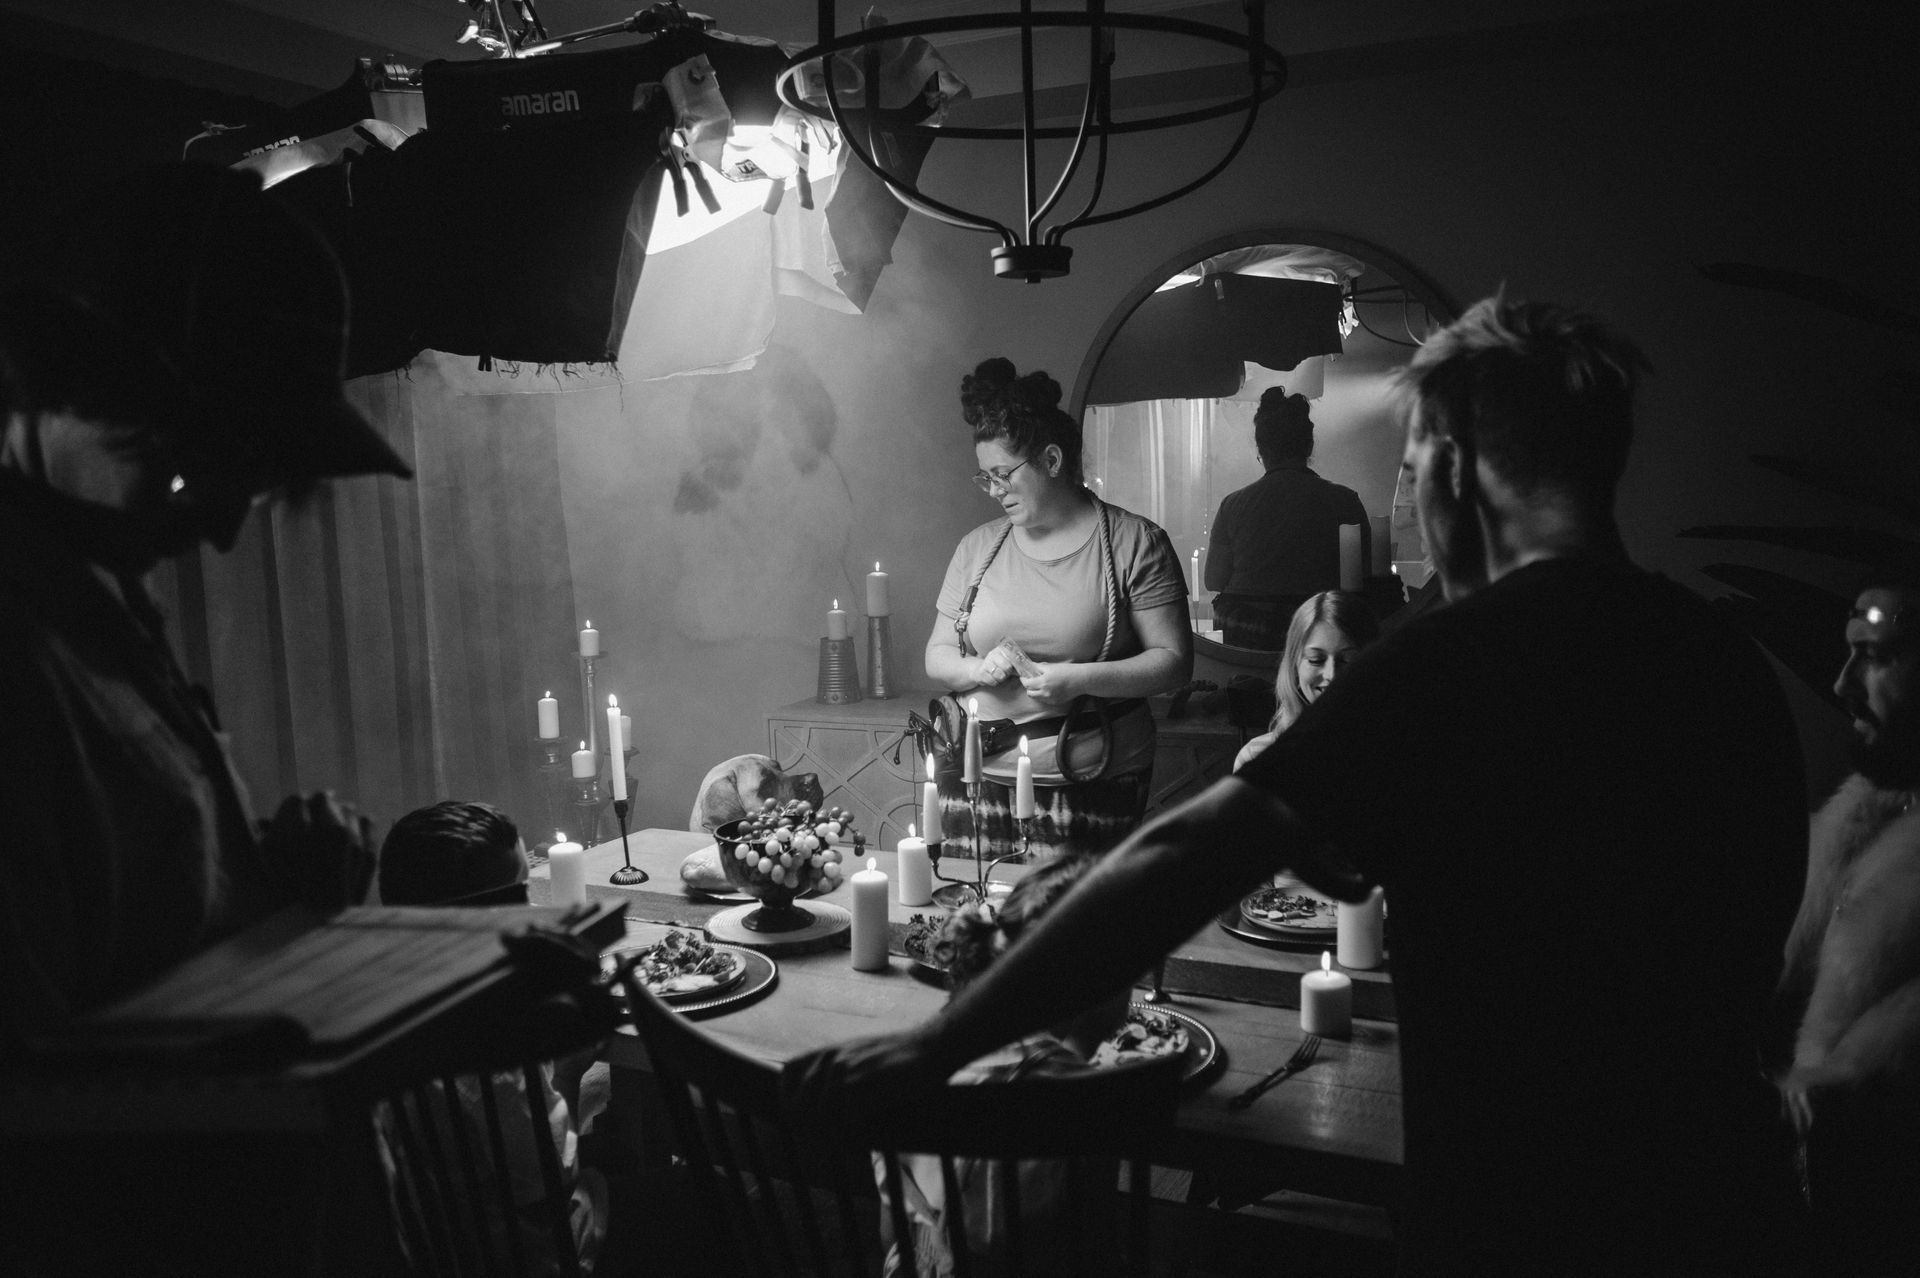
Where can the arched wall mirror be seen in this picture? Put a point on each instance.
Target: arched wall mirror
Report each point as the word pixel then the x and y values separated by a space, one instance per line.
pixel 1171 386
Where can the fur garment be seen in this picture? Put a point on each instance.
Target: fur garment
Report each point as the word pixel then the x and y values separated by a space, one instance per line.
pixel 1854 953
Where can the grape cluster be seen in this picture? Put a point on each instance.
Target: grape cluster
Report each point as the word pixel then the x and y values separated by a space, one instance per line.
pixel 793 846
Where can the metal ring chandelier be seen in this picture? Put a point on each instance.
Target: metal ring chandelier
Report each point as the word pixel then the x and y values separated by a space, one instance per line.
pixel 1026 251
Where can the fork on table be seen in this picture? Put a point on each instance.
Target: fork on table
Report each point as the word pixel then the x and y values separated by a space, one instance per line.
pixel 1302 1057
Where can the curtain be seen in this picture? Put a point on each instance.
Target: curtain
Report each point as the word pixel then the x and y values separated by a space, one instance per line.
pixel 387 639
pixel 1162 458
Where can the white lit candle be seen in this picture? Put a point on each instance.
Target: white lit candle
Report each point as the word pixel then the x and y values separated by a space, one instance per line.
pixel 930 807
pixel 916 870
pixel 1359 928
pixel 616 746
pixel 1350 565
pixel 836 621
pixel 870 918
pixel 589 641
pixel 878 604
pixel 549 716
pixel 1023 783
pixel 970 761
pixel 1195 579
pixel 1326 1001
pixel 584 764
pixel 567 871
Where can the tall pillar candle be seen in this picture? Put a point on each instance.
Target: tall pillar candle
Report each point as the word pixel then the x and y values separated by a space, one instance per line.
pixel 837 627
pixel 1351 569
pixel 869 918
pixel 616 747
pixel 584 764
pixel 1359 928
pixel 916 870
pixel 879 604
pixel 567 872
pixel 1023 783
pixel 547 711
pixel 970 760
pixel 930 807
pixel 1326 1001
pixel 589 642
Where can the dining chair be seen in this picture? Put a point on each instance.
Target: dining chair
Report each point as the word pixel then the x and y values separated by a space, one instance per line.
pixel 475 1180
pixel 773 1193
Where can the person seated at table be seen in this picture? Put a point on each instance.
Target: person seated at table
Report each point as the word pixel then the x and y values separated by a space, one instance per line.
pixel 1327 632
pixel 1853 959
pixel 1277 541
pixel 466 854
pixel 969 943
pixel 1093 594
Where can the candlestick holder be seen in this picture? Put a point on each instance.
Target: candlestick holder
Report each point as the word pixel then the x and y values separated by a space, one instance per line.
pixel 551 769
pixel 628 874
pixel 880 658
pixel 589 700
pixel 839 673
pixel 587 801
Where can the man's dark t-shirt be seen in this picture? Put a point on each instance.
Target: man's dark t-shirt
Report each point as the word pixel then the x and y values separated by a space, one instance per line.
pixel 1583 796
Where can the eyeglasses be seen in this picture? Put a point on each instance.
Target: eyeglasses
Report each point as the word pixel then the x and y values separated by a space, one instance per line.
pixel 988 480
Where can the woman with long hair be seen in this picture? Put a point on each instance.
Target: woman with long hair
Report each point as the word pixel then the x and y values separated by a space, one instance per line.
pixel 1327 632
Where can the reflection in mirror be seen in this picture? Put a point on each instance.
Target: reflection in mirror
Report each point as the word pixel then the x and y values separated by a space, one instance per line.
pixel 1170 428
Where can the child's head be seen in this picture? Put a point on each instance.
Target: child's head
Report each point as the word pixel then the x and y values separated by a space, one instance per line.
pixel 972 938
pixel 453 853
pixel 1327 632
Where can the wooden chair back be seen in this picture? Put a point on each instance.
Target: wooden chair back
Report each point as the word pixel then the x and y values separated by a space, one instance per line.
pixel 454 1145
pixel 778 1195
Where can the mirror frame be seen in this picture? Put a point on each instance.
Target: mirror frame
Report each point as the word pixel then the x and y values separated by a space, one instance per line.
pixel 1423 289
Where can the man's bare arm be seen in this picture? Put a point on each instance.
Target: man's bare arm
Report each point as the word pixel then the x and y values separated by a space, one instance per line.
pixel 1145 897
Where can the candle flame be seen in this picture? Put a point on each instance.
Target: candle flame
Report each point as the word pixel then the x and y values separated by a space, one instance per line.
pixel 588 626
pixel 612 700
pixel 559 836
pixel 1023 745
pixel 872 864
pixel 973 706
pixel 1326 960
pixel 910 833
pixel 836 605
pixel 876 565
pixel 583 745
pixel 929 767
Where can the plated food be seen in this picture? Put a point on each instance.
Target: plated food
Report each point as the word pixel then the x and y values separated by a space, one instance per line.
pixel 1290 909
pixel 1146 1033
pixel 683 966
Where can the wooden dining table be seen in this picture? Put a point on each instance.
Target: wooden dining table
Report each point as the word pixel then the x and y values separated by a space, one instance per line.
pixel 1333 1130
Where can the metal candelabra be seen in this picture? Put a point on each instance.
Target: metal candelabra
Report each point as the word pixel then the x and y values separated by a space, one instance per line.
pixel 552 770
pixel 587 801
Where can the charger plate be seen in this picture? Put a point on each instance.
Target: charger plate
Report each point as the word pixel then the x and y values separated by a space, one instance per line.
pixel 1203 1052
pixel 758 974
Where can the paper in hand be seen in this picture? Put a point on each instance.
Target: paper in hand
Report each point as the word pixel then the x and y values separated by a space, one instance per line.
pixel 1022 663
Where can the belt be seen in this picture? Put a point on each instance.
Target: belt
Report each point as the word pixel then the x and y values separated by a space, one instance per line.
pixel 997 735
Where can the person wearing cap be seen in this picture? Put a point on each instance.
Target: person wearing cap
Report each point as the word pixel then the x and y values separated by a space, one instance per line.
pixel 471 855
pixel 170 354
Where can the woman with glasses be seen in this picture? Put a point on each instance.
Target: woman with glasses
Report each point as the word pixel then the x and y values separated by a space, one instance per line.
pixel 1060 617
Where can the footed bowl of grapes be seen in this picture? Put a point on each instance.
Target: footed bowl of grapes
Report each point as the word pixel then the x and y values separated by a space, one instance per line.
pixel 782 852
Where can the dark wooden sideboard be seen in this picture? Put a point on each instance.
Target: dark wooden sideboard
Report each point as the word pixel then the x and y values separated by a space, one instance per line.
pixel 866 764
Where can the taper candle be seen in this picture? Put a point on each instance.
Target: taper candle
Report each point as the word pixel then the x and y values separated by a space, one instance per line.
pixel 548 712
pixel 930 807
pixel 1023 783
pixel 616 746
pixel 970 761
pixel 1194 584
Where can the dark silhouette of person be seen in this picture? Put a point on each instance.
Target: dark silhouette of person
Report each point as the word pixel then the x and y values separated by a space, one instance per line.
pixel 1276 542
